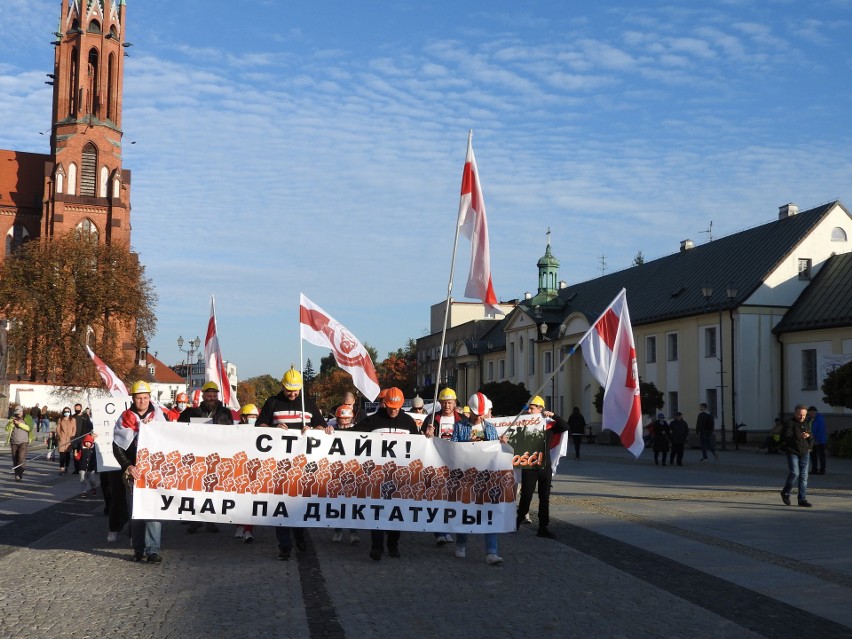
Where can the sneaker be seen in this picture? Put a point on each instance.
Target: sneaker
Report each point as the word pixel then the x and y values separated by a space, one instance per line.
pixel 375 555
pixel 493 560
pixel 544 532
pixel 338 536
pixel 247 537
pixel 112 537
pixel 527 519
pixel 154 558
pixel 353 539
pixel 138 556
pixel 238 533
pixel 704 459
pixel 283 554
pixel 805 503
pixel 83 494
pixel 449 538
pixel 441 540
pixel 461 552
pixel 393 551
pixel 785 498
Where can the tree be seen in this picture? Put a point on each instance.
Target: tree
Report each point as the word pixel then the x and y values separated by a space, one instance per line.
pixel 309 374
pixel 400 369
pixel 652 399
pixel 54 292
pixel 328 389
pixel 256 390
pixel 508 398
pixel 639 259
pixel 328 363
pixel 838 387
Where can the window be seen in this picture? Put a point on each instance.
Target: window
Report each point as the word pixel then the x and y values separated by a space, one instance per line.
pixel 501 367
pixel 805 268
pixel 548 363
pixel 15 238
pixel 711 402
pixel 72 179
pixel 673 403
pixel 490 371
pixel 710 341
pixel 86 230
pixel 671 340
pixel 104 181
pixel 651 349
pixel 809 369
pixel 90 168
pixel 511 359
pixel 838 234
pixel 531 351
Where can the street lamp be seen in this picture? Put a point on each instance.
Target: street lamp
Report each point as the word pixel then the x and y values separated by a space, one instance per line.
pixel 544 338
pixel 191 349
pixel 731 293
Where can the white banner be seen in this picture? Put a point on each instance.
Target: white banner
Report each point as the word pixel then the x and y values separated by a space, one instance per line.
pixel 105 411
pixel 269 476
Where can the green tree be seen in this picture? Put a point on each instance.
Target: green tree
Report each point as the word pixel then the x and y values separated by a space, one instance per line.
pixel 639 259
pixel 651 397
pixel 309 374
pixel 256 390
pixel 838 387
pixel 400 369
pixel 56 293
pixel 508 398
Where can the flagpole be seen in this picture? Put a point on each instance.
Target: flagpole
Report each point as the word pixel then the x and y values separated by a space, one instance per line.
pixel 447 304
pixel 301 365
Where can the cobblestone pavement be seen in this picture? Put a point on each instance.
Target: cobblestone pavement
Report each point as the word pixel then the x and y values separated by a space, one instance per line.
pixel 706 550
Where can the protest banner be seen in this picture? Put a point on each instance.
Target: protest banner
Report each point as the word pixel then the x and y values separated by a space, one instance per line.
pixel 271 476
pixel 105 411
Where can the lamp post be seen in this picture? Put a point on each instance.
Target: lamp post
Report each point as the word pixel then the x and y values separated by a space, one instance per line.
pixel 191 349
pixel 542 328
pixel 731 294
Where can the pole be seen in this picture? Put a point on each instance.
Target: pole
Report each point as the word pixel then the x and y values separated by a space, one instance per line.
pixel 722 379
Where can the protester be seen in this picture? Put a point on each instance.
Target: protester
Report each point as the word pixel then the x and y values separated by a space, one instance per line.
pixel 679 434
pixel 19 435
pixel 144 534
pixel 796 436
pixel 480 407
pixel 704 426
pixel 66 428
pixel 181 406
pixel 344 417
pixel 542 475
pixel 417 405
pixel 82 426
pixel 211 407
pixel 285 410
pixel 442 426
pixel 349 400
pixel 248 417
pixel 576 427
pixel 819 439
pixel 465 411
pixel 661 432
pixel 88 465
pixel 389 419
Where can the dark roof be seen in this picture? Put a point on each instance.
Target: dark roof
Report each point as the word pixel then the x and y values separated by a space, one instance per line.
pixel 826 302
pixel 670 287
pixel 493 339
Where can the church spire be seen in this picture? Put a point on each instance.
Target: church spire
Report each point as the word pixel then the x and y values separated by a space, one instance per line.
pixel 548 274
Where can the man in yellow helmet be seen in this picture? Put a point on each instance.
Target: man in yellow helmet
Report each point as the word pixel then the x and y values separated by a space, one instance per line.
pixel 446 420
pixel 144 535
pixel 211 407
pixel 288 409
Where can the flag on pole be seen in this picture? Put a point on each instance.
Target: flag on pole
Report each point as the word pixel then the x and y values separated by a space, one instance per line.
pixel 115 386
pixel 473 223
pixel 610 353
pixel 214 367
pixel 320 329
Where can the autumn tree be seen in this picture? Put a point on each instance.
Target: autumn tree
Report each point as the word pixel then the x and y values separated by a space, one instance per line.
pixel 256 390
pixel 328 389
pixel 56 293
pixel 400 369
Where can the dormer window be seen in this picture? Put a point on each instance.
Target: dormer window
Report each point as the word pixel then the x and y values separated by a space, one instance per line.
pixel 805 268
pixel 838 234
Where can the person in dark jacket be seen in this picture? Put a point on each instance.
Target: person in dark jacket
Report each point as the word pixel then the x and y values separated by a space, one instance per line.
pixel 388 419
pixel 577 427
pixel 796 436
pixel 705 425
pixel 661 433
pixel 84 427
pixel 211 407
pixel 679 434
pixel 819 438
pixel 88 465
pixel 288 409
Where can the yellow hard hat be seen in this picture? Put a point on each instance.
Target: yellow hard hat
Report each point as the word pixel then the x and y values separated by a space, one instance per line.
pixel 249 409
pixel 210 386
pixel 292 380
pixel 536 401
pixel 466 409
pixel 447 393
pixel 140 387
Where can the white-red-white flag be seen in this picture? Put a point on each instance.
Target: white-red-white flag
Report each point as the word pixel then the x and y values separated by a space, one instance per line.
pixel 321 329
pixel 473 223
pixel 113 383
pixel 214 366
pixel 610 353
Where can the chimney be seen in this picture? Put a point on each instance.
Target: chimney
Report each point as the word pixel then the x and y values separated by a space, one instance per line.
pixel 527 295
pixel 686 245
pixel 563 284
pixel 788 210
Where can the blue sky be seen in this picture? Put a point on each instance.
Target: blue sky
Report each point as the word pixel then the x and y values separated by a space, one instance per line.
pixel 318 147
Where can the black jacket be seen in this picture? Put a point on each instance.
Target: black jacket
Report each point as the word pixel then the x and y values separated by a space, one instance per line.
pixel 221 414
pixel 793 436
pixel 279 410
pixel 381 421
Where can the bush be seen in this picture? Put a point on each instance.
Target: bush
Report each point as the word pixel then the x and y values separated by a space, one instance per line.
pixel 840 443
pixel 845 448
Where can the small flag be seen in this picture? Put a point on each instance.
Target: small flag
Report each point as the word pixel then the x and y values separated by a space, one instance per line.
pixel 115 386
pixel 214 367
pixel 320 329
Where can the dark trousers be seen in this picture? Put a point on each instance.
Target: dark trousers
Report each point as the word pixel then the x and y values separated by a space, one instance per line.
pixel 377 539
pixel 578 439
pixel 818 459
pixel 19 457
pixel 115 498
pixel 65 458
pixel 285 541
pixel 530 477
pixel 676 454
pixel 664 454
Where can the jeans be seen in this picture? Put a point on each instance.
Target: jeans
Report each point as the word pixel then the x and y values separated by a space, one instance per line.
pixel 708 442
pixel 490 542
pixel 798 467
pixel 285 541
pixel 144 534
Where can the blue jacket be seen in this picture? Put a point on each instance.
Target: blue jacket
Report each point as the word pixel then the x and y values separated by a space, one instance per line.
pixel 818 430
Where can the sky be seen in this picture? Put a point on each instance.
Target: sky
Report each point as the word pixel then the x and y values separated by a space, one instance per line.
pixel 286 147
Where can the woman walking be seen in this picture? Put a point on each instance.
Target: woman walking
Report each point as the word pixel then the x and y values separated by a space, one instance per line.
pixel 66 428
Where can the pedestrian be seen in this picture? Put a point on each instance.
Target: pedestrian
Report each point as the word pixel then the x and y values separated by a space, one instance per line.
pixel 540 475
pixel 796 436
pixel 819 440
pixel 45 419
pixel 577 428
pixel 19 435
pixel 88 465
pixel 83 426
pixel 442 426
pixel 480 407
pixel 66 428
pixel 35 415
pixel 389 419
pixel 144 534
pixel 344 417
pixel 705 425
pixel 678 436
pixel 661 437
pixel 248 417
pixel 289 409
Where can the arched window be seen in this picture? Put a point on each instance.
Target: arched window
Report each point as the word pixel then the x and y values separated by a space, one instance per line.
pixel 93 90
pixel 88 170
pixel 110 108
pixel 72 179
pixel 116 186
pixel 60 179
pixel 86 230
pixel 104 181
pixel 74 82
pixel 838 234
pixel 15 238
pixel 94 27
